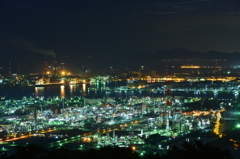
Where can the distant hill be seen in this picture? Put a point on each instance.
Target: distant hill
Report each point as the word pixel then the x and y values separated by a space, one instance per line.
pixel 29 62
pixel 179 53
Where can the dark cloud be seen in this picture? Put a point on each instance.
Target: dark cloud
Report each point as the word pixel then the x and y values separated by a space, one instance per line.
pixel 202 33
pixel 25 45
pixel 122 26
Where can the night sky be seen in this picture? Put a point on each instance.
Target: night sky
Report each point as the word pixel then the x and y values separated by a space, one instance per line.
pixel 95 27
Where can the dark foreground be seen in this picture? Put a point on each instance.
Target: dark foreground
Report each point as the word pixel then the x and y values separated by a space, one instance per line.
pixel 188 151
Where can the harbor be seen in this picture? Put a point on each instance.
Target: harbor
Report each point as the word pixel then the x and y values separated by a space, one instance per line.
pixel 97 119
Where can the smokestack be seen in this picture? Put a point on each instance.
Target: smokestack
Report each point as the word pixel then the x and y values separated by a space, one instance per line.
pixel 45 67
pixel 35 117
pixel 168 101
pixel 107 132
pixel 55 65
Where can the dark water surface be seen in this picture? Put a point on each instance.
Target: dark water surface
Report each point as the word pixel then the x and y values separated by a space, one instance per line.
pixel 98 89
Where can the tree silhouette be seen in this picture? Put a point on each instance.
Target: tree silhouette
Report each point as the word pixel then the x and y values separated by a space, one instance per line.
pixel 155 139
pixel 110 153
pixel 196 150
pixel 29 152
pixel 187 150
pixel 61 153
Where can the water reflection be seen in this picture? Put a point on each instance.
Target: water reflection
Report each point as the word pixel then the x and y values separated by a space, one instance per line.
pixel 84 90
pixel 103 90
pixel 236 96
pixel 215 96
pixel 73 88
pixel 39 91
pixel 62 91
pixel 107 89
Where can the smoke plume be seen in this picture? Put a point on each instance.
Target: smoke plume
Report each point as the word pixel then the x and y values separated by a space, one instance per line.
pixel 30 47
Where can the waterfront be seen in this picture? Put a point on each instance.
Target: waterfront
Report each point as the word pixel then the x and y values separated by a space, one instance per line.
pixel 140 113
pixel 107 89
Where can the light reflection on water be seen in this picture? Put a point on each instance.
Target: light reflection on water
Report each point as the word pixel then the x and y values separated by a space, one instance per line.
pixel 98 90
pixel 39 91
pixel 62 91
pixel 84 88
